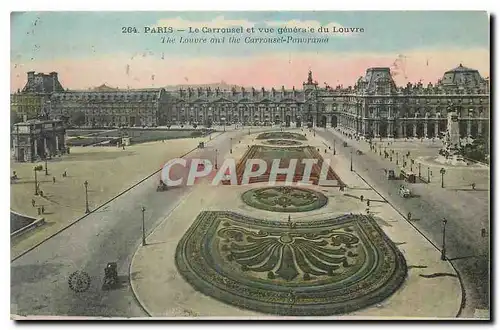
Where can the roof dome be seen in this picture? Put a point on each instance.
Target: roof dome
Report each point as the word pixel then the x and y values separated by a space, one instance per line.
pixel 462 76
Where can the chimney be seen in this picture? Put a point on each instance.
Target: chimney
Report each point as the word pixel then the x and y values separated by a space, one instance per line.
pixel 31 76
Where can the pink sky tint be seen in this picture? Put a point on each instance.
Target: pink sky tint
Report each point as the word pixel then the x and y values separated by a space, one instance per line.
pixel 268 70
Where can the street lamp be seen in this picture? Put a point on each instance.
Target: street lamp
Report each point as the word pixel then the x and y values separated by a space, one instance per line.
pixel 216 158
pixel 397 160
pixel 143 209
pixel 419 170
pixel 428 174
pixel 231 146
pixel 412 161
pixel 351 160
pixel 86 184
pixel 334 150
pixel 36 169
pixel 443 250
pixel 442 171
pixel 46 169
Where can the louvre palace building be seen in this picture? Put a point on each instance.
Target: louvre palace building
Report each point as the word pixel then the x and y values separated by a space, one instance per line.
pixel 374 106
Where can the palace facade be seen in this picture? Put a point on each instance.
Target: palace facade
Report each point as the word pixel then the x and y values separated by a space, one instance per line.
pixel 373 107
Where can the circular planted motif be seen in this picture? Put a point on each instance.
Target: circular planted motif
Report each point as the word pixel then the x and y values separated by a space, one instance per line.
pixel 79 281
pixel 284 199
pixel 282 142
pixel 325 267
pixel 281 135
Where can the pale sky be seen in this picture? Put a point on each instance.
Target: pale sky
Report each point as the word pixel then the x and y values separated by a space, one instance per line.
pixel 89 48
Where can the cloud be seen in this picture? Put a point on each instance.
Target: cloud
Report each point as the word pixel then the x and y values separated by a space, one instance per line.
pixel 266 69
pixel 218 22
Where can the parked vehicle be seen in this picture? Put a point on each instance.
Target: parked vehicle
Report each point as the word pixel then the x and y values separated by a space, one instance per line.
pixel 110 276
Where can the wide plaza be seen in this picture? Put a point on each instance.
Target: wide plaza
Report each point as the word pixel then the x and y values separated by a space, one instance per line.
pixel 260 251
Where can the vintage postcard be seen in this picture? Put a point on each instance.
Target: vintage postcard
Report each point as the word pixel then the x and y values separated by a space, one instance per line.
pixel 250 165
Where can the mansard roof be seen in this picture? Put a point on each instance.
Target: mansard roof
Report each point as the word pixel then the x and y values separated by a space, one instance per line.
pixel 110 95
pixel 462 76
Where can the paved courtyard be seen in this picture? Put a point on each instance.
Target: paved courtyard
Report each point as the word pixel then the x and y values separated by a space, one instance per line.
pixel 425 152
pixel 236 251
pixel 108 170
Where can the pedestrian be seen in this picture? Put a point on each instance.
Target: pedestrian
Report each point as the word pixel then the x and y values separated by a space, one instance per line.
pixel 65 174
pixel 41 193
pixel 53 179
pixel 361 197
pixel 409 216
pixel 33 202
pixel 368 202
pixel 473 186
pixel 43 209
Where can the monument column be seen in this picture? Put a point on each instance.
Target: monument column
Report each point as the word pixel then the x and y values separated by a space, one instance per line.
pixel 45 145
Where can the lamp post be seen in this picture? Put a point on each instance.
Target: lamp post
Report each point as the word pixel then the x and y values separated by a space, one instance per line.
pixel 351 160
pixel 428 174
pixel 443 250
pixel 46 169
pixel 231 146
pixel 412 161
pixel 36 169
pixel 86 184
pixel 334 150
pixel 216 158
pixel 442 171
pixel 143 209
pixel 419 170
pixel 397 160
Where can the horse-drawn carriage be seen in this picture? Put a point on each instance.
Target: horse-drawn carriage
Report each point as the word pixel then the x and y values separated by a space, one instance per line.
pixel 404 191
pixel 110 276
pixel 162 186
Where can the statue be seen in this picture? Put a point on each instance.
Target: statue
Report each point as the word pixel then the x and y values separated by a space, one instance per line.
pixel 451 151
pixel 310 78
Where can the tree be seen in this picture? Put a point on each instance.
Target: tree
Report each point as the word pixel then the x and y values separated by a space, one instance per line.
pixel 78 118
pixel 477 150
